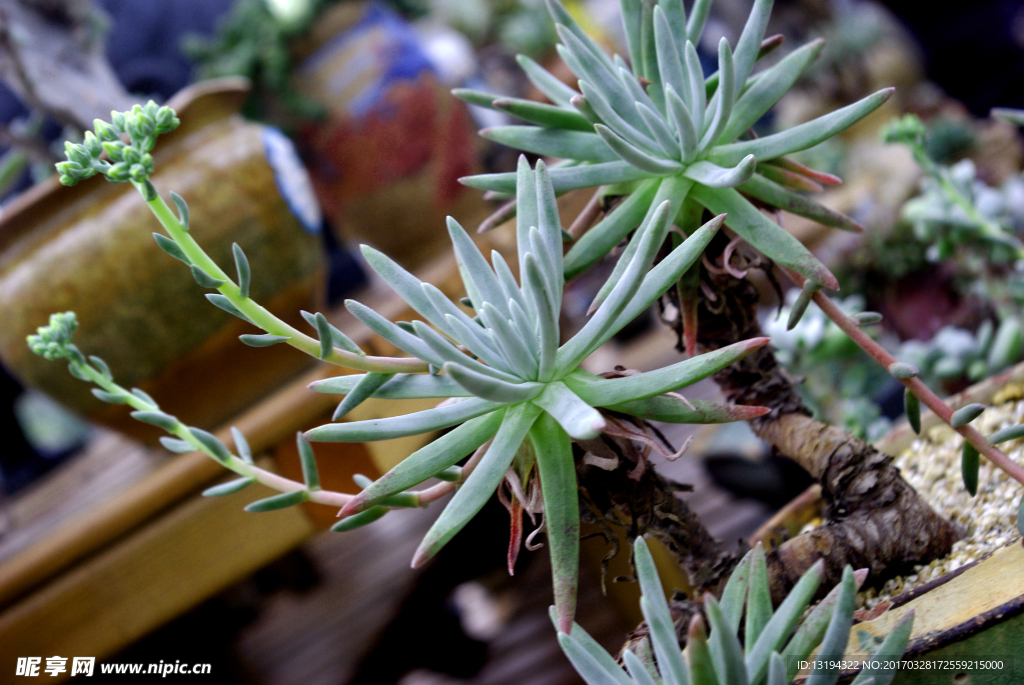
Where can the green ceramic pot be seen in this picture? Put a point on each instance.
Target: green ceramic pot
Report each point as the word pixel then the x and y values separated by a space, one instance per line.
pixel 89 249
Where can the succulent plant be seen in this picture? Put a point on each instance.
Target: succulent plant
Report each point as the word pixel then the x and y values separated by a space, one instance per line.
pixel 509 381
pixel 657 129
pixel 514 394
pixel 770 652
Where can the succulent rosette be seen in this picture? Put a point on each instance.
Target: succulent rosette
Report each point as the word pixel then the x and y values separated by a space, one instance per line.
pixel 657 129
pixel 515 394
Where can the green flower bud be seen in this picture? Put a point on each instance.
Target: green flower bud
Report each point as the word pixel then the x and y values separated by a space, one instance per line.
pixel 114 149
pixel 104 131
pixel 119 173
pixel 907 130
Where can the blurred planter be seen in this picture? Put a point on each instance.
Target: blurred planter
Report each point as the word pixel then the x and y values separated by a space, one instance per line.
pixel 973 613
pixel 89 248
pixel 387 154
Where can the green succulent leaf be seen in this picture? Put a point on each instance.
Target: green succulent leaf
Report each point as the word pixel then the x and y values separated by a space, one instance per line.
pixel 659 620
pixel 283 501
pixel 759 598
pixel 837 635
pixel 400 426
pixel 481 484
pixel 970 462
pixel 891 648
pixel 359 520
pixel 228 488
pixel 726 651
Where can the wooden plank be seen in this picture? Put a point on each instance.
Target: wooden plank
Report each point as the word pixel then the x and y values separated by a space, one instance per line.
pixel 197 550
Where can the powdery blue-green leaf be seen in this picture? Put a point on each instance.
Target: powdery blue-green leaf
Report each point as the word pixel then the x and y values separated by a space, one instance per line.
pixel 670 60
pixel 204 279
pixel 770 86
pixel 609 231
pixel 735 593
pixel 698 17
pixel 912 406
pixel 724 97
pixel 399 426
pixel 241 445
pixel 698 96
pixel 759 598
pixel 544 114
pixel 546 82
pixel 176 445
pixel 749 44
pixel 229 488
pixel 714 176
pixel 1011 433
pixel 481 283
pixel 634 155
pixel 659 620
pixel 769 238
pixel 516 343
pixel 683 120
pixel 593 648
pixel 964 415
pixel 656 125
pixel 891 648
pixel 394 334
pixel 242 269
pixel 812 629
pixel 553 451
pixel 112 398
pixel 970 462
pixel 307 460
pixel 366 387
pixel 564 178
pixel 402 386
pixel 428 461
pixel 771 193
pixel 546 318
pixel 782 622
pixel 212 443
pixel 157 418
pixel 172 248
pixel 555 142
pixel 580 420
pixel 675 410
pixel 491 388
pixel 777 670
pixel 589 668
pixel 833 647
pixel 637 670
pixel 447 352
pixel 182 207
pixel 340 339
pixel 407 286
pixel 726 651
pixel 607 391
pixel 359 520
pixel 594 99
pixel 800 137
pixel 262 339
pixel 283 501
pixel 482 483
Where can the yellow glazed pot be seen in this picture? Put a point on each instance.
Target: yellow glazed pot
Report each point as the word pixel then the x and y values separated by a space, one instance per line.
pixel 89 248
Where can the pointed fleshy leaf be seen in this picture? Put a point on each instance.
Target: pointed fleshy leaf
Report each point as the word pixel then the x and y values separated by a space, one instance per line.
pixel 367 386
pixel 788 179
pixel 592 671
pixel 572 29
pixel 407 286
pixel 481 283
pixel 283 501
pixel 204 279
pixel 182 207
pixel 589 337
pixel 782 622
pixel 768 237
pixel 770 86
pixel 672 190
pixel 667 272
pixel 514 343
pixel 359 520
pixel 631 12
pixel 833 647
pixel 892 648
pixel 777 670
pixel 172 248
pixel 674 410
pixel 812 629
pixel 580 420
pixel 610 391
pixel 592 647
pixel 310 473
pixel 701 660
pixel 402 386
pixel 563 179
pixel 546 82
pixel 659 619
pixel 734 595
pixel 912 406
pixel 682 119
pixel 698 97
pixel 800 137
pixel 447 352
pixel 158 419
pixel 262 339
pixel 609 232
pixel 724 97
pixel 726 651
pixel 482 483
pixel 550 224
pixel 556 468
pixel 551 142
pixel 964 415
pixel 611 119
pixel 176 445
pixel 340 339
pixel 714 176
pixel 637 670
pixel 759 598
pixel 547 318
pixel 229 488
pixel 399 426
pixel 428 461
pixel 491 388
pixel 775 195
pixel 241 445
pixel 670 60
pixel 243 270
pixel 403 340
pixel 749 44
pixel 545 115
pixel 661 132
pixel 1011 433
pixel 698 17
